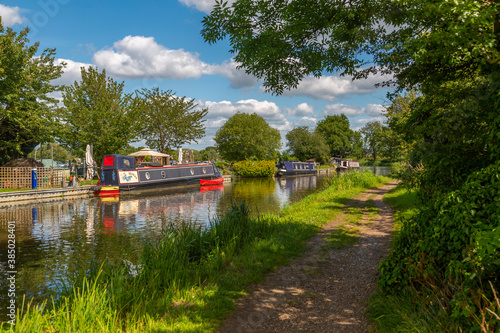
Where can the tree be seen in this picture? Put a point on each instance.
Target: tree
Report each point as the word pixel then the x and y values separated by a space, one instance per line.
pixel 168 121
pixel 284 41
pixel 27 113
pixel 305 144
pixel 372 134
pixel 357 147
pixel 246 136
pixel 96 111
pixel 337 134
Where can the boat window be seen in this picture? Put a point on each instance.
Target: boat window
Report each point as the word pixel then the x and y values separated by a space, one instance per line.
pixel 126 163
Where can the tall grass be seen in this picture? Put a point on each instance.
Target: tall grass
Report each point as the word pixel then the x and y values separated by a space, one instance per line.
pixel 190 276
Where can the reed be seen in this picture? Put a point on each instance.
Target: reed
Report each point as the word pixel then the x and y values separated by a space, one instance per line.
pixel 190 277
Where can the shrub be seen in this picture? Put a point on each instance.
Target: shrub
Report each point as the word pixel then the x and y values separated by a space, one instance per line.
pixel 454 243
pixel 255 168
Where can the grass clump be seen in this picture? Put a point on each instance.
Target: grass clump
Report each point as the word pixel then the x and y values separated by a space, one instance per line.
pixel 190 277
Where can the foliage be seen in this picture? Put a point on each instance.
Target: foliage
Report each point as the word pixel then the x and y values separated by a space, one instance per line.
pixel 96 111
pixel 245 136
pixel 305 144
pixel 430 41
pixel 27 112
pixel 357 149
pixel 60 154
pixel 254 168
pixel 209 154
pixel 168 121
pixel 372 135
pixel 457 240
pixel 337 134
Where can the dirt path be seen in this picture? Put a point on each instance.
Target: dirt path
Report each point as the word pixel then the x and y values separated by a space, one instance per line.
pixel 325 290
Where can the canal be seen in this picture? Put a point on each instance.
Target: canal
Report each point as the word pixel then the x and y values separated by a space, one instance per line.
pixel 53 239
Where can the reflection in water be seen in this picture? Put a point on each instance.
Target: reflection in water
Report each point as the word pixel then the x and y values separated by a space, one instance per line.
pixel 54 239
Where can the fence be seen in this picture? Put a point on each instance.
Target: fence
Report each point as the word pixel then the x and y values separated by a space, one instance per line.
pixel 20 177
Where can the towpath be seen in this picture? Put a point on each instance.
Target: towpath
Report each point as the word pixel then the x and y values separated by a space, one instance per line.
pixel 326 289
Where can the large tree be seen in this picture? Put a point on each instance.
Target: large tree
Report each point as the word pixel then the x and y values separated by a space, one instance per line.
pixel 27 112
pixel 168 121
pixel 372 135
pixel 337 134
pixel 244 136
pixel 97 111
pixel 305 144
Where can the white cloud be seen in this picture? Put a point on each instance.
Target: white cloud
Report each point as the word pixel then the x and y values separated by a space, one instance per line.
pixel 331 88
pixel 306 121
pixel 358 124
pixel 202 5
pixel 302 109
pixel 219 112
pixel 237 77
pixel 353 110
pixel 72 72
pixel 136 57
pixel 10 15
pixel 139 57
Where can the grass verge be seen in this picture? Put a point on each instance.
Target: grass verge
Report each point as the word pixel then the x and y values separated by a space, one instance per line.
pixel 405 313
pixel 190 277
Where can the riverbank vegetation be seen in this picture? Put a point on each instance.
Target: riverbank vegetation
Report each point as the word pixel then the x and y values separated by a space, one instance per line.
pixel 190 278
pixel 254 168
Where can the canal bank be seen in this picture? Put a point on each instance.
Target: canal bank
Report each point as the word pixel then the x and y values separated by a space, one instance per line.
pixel 8 198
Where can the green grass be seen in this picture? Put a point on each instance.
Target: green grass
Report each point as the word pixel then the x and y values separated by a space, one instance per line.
pixel 409 312
pixel 191 277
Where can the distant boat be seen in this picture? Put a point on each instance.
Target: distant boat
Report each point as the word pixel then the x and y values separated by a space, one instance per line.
pixel 347 165
pixel 294 168
pixel 119 173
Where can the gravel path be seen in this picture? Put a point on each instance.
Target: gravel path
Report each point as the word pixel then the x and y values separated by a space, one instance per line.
pixel 325 290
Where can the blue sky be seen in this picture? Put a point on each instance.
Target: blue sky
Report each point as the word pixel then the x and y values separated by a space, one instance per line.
pixel 158 44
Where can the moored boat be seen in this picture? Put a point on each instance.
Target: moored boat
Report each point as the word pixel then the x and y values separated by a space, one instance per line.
pixel 294 168
pixel 119 173
pixel 347 165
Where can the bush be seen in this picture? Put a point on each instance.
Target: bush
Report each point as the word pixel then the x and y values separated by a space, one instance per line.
pixel 454 244
pixel 255 168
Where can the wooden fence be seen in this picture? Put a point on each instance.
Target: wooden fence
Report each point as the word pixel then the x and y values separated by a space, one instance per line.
pixel 20 177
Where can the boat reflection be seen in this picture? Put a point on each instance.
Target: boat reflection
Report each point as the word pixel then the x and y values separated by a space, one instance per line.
pixel 156 208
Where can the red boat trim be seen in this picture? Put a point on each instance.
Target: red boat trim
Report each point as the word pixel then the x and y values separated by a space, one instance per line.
pixel 216 181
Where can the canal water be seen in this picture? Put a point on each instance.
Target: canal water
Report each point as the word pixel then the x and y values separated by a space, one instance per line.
pixel 53 239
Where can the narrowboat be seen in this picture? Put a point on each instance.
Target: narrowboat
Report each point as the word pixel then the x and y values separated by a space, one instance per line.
pixel 347 165
pixel 295 168
pixel 119 173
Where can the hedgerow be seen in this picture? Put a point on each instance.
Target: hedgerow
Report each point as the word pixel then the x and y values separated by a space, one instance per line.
pixel 453 247
pixel 254 168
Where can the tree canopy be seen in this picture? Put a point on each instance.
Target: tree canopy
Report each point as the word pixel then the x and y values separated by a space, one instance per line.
pixel 418 41
pixel 245 136
pixel 337 134
pixel 305 144
pixel 97 111
pixel 27 112
pixel 168 121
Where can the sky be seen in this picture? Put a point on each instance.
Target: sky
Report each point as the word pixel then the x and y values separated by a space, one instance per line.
pixel 150 44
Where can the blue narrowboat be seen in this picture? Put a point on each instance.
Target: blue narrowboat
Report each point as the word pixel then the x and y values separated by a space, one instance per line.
pixel 119 173
pixel 295 168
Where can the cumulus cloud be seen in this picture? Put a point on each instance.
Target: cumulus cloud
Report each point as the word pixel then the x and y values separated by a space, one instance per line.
pixel 237 77
pixel 302 109
pixel 306 121
pixel 202 5
pixel 72 72
pixel 10 15
pixel 331 88
pixel 219 112
pixel 358 124
pixel 353 110
pixel 136 57
pixel 139 57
